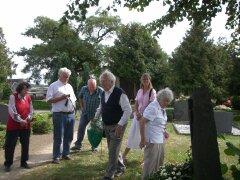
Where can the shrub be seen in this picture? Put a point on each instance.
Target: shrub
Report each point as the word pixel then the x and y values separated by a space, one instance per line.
pixel 42 123
pixel 175 171
pixel 170 114
pixel 236 102
pixel 2 127
pixel 40 104
pixel 2 139
pixel 6 92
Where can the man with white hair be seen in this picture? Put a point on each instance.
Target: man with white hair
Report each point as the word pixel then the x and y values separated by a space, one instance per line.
pixel 90 96
pixel 61 95
pixel 116 110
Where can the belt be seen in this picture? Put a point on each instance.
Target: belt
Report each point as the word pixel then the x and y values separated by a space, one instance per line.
pixel 70 112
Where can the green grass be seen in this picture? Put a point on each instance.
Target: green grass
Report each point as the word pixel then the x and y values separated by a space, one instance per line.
pixel 86 165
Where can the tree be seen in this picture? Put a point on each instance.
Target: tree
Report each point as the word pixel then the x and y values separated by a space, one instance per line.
pixel 5 61
pixel 99 27
pixel 58 38
pixel 57 41
pixel 203 11
pixel 134 52
pixel 197 62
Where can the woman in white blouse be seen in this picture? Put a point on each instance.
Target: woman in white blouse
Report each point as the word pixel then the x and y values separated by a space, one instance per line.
pixel 153 132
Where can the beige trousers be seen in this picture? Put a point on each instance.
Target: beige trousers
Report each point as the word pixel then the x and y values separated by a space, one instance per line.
pixel 153 158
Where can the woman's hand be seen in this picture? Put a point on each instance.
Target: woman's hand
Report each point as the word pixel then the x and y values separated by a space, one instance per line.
pixel 139 116
pixel 142 143
pixel 23 123
pixel 166 135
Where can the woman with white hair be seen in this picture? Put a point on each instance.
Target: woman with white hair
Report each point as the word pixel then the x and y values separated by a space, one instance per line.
pixel 153 132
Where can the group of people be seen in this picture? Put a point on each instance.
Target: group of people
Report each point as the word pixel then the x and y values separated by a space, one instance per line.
pixel 147 131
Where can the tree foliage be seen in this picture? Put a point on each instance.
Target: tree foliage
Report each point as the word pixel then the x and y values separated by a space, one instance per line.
pixel 197 62
pixel 203 10
pixel 5 61
pixel 100 27
pixel 61 42
pixel 134 52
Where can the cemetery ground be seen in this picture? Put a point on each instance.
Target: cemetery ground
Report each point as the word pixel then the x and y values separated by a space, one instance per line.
pixel 88 165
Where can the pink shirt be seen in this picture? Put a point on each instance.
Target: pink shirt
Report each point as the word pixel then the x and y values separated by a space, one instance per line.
pixel 143 99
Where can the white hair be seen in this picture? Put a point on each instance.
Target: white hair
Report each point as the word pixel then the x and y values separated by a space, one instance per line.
pixel 165 94
pixel 64 70
pixel 110 76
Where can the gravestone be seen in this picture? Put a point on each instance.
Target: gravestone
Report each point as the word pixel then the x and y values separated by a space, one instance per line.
pixel 3 113
pixel 223 121
pixel 205 150
pixel 181 110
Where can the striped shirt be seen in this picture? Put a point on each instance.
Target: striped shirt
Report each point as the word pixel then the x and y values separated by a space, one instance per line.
pixel 90 101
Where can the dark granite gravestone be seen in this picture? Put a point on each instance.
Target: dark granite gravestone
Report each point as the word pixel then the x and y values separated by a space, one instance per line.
pixel 181 110
pixel 205 150
pixel 223 121
pixel 3 113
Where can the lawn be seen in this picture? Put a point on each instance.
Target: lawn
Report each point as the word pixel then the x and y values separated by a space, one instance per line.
pixel 88 165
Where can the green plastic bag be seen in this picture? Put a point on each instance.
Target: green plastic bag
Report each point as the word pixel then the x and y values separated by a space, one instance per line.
pixel 95 132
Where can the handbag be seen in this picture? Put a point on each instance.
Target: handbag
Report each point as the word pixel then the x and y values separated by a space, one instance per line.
pixel 95 132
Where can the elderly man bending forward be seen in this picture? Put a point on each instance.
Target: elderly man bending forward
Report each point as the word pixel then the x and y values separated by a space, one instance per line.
pixel 116 110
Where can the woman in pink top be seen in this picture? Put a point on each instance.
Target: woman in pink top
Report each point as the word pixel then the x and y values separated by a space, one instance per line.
pixel 145 95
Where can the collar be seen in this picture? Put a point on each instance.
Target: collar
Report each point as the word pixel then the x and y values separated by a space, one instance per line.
pixel 110 90
pixel 21 97
pixel 61 82
pixel 159 106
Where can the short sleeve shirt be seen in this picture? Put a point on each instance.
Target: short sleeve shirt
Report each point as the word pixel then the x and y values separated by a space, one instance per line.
pixel 57 89
pixel 90 101
pixel 143 99
pixel 154 131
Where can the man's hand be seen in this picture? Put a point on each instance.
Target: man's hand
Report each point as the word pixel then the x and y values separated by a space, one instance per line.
pixel 142 143
pixel 118 130
pixel 64 96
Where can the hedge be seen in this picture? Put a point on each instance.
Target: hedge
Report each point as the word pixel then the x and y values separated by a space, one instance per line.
pixel 42 123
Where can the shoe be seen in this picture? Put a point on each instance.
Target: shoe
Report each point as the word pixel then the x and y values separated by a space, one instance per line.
pixel 7 168
pixel 67 158
pixel 75 148
pixel 118 173
pixel 94 150
pixel 25 166
pixel 56 161
pixel 124 159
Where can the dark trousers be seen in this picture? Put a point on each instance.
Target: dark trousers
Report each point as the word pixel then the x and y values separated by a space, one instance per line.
pixel 10 144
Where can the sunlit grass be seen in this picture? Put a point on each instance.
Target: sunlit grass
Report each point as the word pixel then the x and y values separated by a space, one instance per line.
pixel 88 165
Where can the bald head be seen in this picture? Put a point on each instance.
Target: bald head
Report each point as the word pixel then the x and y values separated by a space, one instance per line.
pixel 92 85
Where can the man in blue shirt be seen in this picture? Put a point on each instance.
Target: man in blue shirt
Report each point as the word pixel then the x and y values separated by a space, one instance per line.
pixel 90 96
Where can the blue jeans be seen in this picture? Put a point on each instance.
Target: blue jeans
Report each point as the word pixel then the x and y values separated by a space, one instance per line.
pixel 63 128
pixel 81 129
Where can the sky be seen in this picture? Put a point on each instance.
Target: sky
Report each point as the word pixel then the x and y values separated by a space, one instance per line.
pixel 17 16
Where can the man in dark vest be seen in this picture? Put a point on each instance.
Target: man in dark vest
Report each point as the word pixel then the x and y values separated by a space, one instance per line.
pixel 116 111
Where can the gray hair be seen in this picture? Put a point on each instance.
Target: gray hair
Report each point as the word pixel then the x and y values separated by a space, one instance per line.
pixel 165 94
pixel 64 70
pixel 110 76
